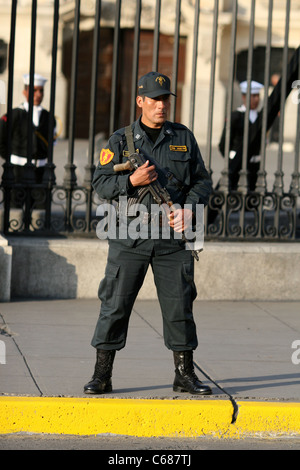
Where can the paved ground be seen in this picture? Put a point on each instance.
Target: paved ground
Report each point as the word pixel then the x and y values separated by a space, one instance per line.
pixel 148 447
pixel 245 350
pixel 249 353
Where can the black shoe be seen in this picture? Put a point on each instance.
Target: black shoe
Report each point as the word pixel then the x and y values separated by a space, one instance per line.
pixel 101 380
pixel 185 378
pixel 97 386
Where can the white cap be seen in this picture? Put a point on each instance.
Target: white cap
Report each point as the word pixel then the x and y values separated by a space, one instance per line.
pixel 38 79
pixel 255 87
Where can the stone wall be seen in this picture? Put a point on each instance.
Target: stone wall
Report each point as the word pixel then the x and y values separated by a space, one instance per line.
pixel 48 268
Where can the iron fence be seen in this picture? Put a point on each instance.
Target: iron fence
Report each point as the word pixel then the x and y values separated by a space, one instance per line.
pixel 69 209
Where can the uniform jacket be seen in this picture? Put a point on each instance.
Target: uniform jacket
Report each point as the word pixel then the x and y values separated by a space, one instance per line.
pixel 19 134
pixel 236 144
pixel 175 150
pixel 237 133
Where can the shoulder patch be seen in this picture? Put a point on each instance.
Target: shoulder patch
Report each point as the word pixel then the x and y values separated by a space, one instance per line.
pixel 106 156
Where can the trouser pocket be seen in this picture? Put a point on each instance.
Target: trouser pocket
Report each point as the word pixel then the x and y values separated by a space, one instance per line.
pixel 188 274
pixel 108 286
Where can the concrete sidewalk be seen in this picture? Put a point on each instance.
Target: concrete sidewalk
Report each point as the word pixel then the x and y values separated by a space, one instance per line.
pixel 249 353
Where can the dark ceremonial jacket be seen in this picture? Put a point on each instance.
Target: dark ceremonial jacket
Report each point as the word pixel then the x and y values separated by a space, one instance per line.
pixel 235 147
pixel 19 134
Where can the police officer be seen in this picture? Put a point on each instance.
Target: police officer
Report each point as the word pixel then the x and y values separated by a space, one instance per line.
pixel 172 150
pixel 237 136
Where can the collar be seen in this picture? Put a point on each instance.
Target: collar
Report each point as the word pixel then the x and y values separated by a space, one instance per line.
pixel 26 107
pixel 252 114
pixel 138 132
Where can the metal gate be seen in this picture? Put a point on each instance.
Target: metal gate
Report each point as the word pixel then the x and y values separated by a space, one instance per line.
pixel 50 209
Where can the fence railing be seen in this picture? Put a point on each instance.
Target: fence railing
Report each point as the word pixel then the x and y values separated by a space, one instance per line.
pixel 234 213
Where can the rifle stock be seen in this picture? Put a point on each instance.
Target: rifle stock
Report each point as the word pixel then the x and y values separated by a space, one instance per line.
pixel 123 166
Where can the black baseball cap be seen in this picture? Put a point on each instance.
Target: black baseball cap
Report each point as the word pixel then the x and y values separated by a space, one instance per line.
pixel 154 84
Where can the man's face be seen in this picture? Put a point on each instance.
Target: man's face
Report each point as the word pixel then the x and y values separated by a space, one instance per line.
pixel 254 100
pixel 154 110
pixel 38 94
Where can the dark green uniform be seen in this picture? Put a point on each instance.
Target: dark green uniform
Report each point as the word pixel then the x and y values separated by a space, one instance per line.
pixel 175 151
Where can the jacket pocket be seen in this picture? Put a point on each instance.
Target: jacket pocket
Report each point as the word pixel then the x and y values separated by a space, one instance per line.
pixel 179 156
pixel 179 164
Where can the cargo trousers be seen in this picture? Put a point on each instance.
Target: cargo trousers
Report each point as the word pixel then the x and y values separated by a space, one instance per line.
pixel 124 276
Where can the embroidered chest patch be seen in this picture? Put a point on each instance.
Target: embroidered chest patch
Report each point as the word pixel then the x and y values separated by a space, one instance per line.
pixel 178 148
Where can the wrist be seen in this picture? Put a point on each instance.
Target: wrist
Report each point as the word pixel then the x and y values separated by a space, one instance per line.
pixel 130 187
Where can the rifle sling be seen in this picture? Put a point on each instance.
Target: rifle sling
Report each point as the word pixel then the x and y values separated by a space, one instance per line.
pixel 129 139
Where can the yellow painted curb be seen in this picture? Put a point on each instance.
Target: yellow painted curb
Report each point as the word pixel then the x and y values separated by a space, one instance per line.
pixel 147 418
pixel 142 418
pixel 266 418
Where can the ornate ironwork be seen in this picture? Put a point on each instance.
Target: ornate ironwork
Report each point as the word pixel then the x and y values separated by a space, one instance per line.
pixel 253 216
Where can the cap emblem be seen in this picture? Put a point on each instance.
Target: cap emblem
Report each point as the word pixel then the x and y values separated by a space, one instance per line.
pixel 160 80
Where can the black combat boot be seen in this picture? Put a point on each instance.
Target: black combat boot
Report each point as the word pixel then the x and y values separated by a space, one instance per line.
pixel 101 380
pixel 185 378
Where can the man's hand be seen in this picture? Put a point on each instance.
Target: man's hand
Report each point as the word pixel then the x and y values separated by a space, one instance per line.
pixel 181 219
pixel 143 175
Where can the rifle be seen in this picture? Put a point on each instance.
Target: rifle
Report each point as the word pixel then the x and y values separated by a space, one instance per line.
pixel 160 195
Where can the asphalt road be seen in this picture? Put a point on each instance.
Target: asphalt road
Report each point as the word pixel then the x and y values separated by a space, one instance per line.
pixel 114 444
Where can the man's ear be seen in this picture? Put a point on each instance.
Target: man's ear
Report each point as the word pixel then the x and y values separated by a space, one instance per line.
pixel 139 101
